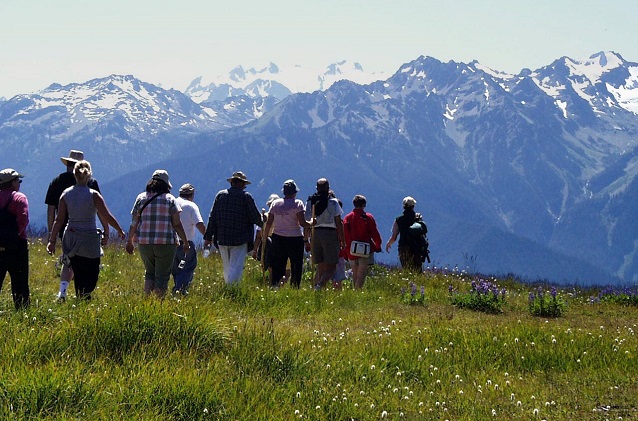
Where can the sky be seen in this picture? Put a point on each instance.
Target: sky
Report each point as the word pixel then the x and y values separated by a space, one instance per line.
pixel 170 43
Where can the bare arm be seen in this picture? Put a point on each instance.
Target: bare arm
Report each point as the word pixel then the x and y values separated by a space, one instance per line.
pixel 50 217
pixel 395 233
pixel 135 222
pixel 57 226
pixel 106 217
pixel 340 233
pixel 177 226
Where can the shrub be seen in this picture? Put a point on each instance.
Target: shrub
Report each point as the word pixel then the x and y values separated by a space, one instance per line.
pixel 625 296
pixel 483 296
pixel 546 305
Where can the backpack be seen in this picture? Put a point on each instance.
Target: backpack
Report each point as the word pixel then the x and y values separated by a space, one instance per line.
pixel 8 227
pixel 418 239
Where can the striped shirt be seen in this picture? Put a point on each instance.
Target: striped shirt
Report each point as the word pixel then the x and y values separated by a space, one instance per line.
pixel 156 225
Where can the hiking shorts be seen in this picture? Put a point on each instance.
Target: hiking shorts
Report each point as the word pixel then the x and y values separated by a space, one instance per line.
pixel 325 246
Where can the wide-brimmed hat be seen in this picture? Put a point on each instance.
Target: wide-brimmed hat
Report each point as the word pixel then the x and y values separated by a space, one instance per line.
pixel 408 202
pixel 290 187
pixel 9 174
pixel 187 189
pixel 74 156
pixel 238 175
pixel 162 175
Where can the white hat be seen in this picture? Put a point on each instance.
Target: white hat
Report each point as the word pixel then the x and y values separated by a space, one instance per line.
pixel 162 175
pixel 9 174
pixel 408 202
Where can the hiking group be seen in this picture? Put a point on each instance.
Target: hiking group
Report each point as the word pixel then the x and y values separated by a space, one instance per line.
pixel 164 227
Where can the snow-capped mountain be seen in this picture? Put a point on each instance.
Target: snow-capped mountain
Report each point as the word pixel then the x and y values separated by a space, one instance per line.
pixel 276 81
pixel 532 174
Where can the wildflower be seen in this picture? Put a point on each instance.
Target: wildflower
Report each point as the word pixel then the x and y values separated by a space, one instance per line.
pixel 384 414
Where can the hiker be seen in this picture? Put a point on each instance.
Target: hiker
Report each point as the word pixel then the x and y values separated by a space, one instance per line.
pixel 82 241
pixel 14 249
pixel 60 183
pixel 230 226
pixel 287 217
pixel 155 220
pixel 411 255
pixel 360 226
pixel 266 242
pixel 327 238
pixel 191 220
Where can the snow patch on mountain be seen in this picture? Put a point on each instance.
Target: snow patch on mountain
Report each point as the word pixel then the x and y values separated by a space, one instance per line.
pixel 276 80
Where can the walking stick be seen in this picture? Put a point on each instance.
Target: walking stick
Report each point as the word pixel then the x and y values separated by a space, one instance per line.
pixel 264 238
pixel 312 239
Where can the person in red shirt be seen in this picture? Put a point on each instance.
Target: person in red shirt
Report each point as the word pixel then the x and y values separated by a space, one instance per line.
pixel 14 257
pixel 359 225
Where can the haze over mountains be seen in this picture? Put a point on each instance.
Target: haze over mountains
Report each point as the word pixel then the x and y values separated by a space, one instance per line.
pixel 532 174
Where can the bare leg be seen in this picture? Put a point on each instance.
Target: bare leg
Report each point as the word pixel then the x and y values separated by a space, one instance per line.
pixel 359 273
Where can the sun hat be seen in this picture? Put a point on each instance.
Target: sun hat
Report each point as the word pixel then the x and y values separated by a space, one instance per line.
pixel 187 189
pixel 408 202
pixel 238 175
pixel 9 174
pixel 162 175
pixel 74 156
pixel 290 187
pixel 271 199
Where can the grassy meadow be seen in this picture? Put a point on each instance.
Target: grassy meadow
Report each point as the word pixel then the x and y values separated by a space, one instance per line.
pixel 254 353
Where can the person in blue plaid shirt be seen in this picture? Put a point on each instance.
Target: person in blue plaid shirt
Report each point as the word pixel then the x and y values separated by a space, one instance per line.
pixel 230 226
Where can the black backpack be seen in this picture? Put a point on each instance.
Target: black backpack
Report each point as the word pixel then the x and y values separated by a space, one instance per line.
pixel 418 238
pixel 8 227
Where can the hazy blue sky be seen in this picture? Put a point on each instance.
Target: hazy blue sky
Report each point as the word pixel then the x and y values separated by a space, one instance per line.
pixel 172 42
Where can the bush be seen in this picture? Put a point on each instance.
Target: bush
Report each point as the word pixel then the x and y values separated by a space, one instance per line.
pixel 546 305
pixel 483 296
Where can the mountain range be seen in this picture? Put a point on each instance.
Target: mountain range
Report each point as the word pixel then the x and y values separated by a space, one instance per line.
pixel 532 174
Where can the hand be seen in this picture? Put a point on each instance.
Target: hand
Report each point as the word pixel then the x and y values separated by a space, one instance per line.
pixel 105 239
pixel 187 247
pixel 387 247
pixel 307 246
pixel 51 247
pixel 122 235
pixel 130 247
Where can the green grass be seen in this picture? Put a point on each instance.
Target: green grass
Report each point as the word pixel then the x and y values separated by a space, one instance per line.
pixel 253 353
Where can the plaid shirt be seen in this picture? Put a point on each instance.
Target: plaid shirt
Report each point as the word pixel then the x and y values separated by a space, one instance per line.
pixel 156 226
pixel 232 218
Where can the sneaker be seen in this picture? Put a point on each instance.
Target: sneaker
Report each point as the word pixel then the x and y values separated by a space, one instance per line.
pixel 61 299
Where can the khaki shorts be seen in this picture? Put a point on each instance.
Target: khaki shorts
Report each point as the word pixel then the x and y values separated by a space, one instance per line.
pixel 325 246
pixel 363 261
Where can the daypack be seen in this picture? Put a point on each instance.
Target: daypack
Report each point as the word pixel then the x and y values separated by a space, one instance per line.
pixel 8 227
pixel 418 238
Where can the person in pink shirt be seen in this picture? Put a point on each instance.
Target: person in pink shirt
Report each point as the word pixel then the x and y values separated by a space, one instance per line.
pixel 287 217
pixel 14 250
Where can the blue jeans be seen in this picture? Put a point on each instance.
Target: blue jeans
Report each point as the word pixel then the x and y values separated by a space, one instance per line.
pixel 183 277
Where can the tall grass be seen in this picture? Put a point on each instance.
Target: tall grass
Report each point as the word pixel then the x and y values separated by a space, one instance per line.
pixel 254 353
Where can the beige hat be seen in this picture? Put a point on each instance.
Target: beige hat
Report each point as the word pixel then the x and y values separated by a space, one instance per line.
pixel 408 202
pixel 187 189
pixel 271 199
pixel 162 175
pixel 238 175
pixel 9 174
pixel 74 156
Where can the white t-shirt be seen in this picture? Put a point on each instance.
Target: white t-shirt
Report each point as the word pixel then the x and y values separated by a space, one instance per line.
pixel 189 216
pixel 327 218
